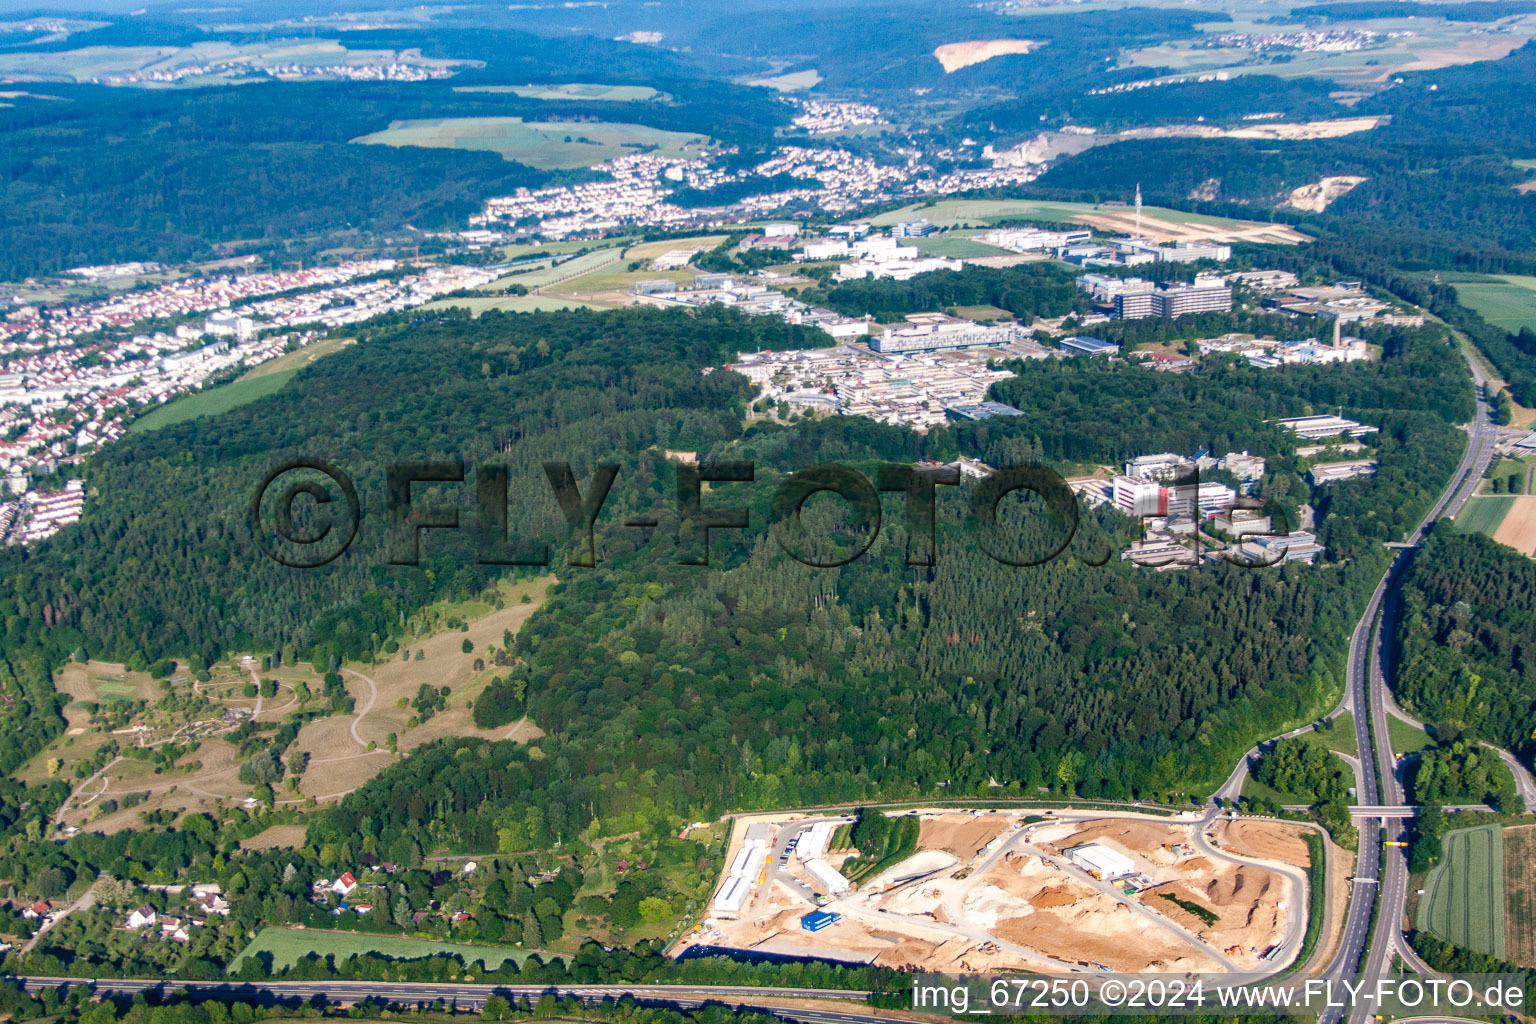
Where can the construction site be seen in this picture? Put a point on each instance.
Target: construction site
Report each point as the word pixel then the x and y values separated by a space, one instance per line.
pixel 1040 891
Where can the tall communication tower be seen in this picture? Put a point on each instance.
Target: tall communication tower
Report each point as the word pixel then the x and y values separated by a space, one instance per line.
pixel 1138 209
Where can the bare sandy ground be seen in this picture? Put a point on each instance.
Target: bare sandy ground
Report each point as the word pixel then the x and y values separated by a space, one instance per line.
pixel 955 56
pixel 960 834
pixel 1317 196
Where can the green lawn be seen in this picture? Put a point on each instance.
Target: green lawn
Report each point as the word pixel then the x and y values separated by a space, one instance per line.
pixel 289 945
pixel 214 401
pixel 955 247
pixel 1464 894
pixel 1505 300
pixel 1405 738
pixel 258 382
pixel 1484 514
pixel 548 145
pixel 1340 737
pixel 1510 475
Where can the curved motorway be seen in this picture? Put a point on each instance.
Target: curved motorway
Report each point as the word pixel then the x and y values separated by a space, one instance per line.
pixel 1382 873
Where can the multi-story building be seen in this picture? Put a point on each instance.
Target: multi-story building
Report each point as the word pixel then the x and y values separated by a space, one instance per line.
pixel 946 334
pixel 1205 295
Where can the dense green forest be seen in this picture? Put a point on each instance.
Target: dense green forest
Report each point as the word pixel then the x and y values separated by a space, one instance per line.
pixel 1466 639
pixel 1452 132
pixel 107 175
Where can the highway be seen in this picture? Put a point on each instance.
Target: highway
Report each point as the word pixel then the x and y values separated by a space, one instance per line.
pixel 1366 695
pixel 472 997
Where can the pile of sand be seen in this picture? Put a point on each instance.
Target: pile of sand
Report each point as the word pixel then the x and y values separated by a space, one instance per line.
pixel 960 834
pixel 1266 840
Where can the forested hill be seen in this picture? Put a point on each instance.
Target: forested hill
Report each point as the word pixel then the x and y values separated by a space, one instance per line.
pixel 755 681
pixel 1466 639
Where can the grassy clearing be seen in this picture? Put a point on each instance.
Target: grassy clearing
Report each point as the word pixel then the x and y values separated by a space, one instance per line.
pixel 549 145
pixel 1340 736
pixel 290 945
pixel 258 382
pixel 1484 514
pixel 1406 739
pixel 213 402
pixel 955 247
pixel 1505 476
pixel 1464 894
pixel 1507 300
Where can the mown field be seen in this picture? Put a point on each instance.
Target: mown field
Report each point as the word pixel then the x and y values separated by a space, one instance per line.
pixel 1504 300
pixel 548 145
pixel 1464 894
pixel 259 382
pixel 290 945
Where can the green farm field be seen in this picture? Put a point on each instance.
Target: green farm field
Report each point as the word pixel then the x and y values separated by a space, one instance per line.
pixel 258 382
pixel 549 145
pixel 1464 894
pixel 573 91
pixel 1504 300
pixel 289 945
pixel 1483 514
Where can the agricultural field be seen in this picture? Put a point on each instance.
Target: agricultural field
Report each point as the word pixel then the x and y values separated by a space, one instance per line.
pixel 1484 514
pixel 1157 223
pixel 1432 43
pixel 548 145
pixel 1520 895
pixel 1464 894
pixel 591 91
pixel 258 382
pixel 1508 519
pixel 1504 300
pixel 290 945
pixel 102 62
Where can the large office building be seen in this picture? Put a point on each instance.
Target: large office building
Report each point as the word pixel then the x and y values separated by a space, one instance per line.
pixel 1131 298
pixel 942 335
pixel 1205 295
pixel 1315 428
